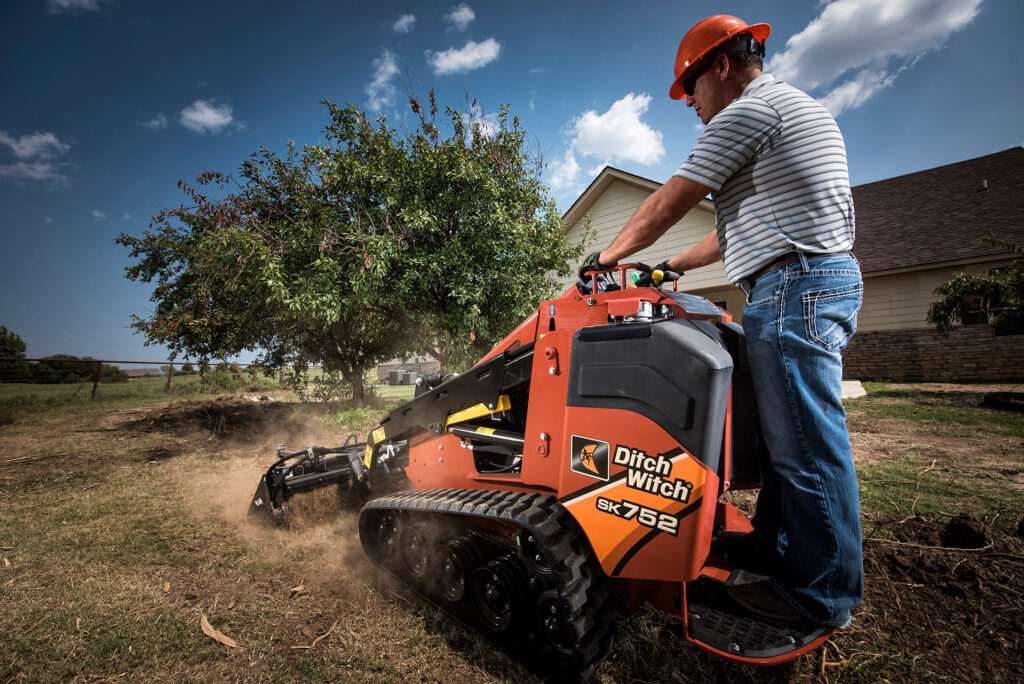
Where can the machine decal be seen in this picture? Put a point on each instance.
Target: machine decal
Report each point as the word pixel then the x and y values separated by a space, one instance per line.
pixel 652 473
pixel 635 548
pixel 590 457
pixel 648 517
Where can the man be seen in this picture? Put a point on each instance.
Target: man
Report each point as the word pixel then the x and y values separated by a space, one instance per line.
pixel 775 162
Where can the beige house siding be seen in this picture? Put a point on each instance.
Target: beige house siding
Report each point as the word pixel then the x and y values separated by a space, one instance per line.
pixel 613 207
pixel 900 301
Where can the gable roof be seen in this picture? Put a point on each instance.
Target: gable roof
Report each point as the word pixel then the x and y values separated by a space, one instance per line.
pixel 597 187
pixel 940 215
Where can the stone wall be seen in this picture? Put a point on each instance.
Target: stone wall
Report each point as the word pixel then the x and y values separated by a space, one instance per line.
pixel 972 353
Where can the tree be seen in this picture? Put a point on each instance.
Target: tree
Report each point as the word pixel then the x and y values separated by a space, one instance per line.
pixel 997 295
pixel 371 244
pixel 12 346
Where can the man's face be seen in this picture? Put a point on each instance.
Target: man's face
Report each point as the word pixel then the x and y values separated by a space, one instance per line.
pixel 708 96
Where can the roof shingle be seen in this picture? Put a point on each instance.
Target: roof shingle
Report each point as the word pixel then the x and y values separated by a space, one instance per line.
pixel 941 214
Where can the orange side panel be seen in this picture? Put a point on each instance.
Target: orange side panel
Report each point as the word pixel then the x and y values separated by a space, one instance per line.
pixel 646 505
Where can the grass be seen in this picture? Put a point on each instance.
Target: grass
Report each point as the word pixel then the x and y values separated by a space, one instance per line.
pixel 115 555
pixel 17 399
pixel 938 451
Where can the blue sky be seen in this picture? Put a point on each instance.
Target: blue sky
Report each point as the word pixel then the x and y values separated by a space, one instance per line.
pixel 106 104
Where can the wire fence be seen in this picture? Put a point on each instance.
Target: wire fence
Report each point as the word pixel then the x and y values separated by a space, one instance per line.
pixel 65 372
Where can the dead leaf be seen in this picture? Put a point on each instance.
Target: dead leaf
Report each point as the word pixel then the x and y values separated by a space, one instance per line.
pixel 7 563
pixel 234 596
pixel 10 582
pixel 167 587
pixel 298 591
pixel 209 631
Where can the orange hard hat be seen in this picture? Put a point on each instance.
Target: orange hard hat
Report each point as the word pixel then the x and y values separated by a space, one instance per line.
pixel 703 38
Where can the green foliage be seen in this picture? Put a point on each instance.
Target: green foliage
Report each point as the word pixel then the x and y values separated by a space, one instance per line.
pixel 12 346
pixel 374 243
pixel 997 294
pixel 325 387
pixel 219 382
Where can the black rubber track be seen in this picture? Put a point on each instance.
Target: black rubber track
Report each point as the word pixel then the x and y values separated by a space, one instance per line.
pixel 588 611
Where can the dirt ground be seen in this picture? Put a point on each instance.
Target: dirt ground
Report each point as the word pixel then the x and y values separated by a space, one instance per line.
pixel 944 594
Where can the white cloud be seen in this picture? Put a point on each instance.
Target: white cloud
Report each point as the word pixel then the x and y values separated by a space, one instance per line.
pixel 565 172
pixel 43 172
pixel 98 215
pixel 34 146
pixel 619 134
pixel 47 219
pixel 405 24
pixel 461 16
pixel 126 216
pixel 157 123
pixel 381 88
pixel 873 39
pixel 488 123
pixel 856 91
pixel 471 56
pixel 202 116
pixel 58 6
pixel 36 156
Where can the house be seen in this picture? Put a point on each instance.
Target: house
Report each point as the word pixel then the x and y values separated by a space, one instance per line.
pixel 405 371
pixel 913 233
pixel 134 373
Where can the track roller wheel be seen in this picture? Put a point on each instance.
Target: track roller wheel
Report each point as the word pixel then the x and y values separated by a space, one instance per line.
pixel 459 558
pixel 498 591
pixel 415 549
pixel 529 551
pixel 549 616
pixel 384 537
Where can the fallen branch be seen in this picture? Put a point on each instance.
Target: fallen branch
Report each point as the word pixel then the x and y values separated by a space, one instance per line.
pixel 35 624
pixel 318 639
pixel 922 546
pixel 37 457
pixel 216 635
pixel 934 460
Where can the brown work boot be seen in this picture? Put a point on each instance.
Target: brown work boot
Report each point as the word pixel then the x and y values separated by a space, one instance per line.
pixel 761 599
pixel 741 551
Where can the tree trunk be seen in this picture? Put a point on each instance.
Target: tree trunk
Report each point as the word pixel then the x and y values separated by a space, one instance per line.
pixel 354 376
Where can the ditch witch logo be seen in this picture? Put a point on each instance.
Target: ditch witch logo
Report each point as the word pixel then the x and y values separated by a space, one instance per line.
pixel 590 457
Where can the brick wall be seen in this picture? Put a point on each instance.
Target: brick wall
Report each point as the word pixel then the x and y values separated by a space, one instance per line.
pixel 968 354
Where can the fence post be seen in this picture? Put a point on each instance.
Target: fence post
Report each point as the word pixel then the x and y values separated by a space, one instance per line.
pixel 96 378
pixel 170 372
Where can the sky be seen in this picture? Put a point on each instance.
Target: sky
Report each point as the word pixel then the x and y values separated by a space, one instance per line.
pixel 106 104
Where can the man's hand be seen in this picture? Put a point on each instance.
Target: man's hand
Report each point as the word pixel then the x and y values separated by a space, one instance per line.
pixel 647 277
pixel 592 263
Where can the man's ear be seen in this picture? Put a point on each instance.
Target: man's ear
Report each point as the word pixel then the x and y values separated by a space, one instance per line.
pixel 723 66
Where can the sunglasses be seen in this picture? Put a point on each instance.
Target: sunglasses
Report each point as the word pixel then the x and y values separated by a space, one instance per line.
pixel 691 82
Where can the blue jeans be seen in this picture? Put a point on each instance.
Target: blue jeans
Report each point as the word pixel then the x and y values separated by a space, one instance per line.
pixel 797 319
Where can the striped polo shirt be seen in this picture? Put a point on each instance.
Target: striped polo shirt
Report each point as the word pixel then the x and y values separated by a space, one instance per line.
pixel 776 164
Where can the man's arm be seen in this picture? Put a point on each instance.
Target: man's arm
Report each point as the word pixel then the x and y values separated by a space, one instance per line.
pixel 705 252
pixel 656 215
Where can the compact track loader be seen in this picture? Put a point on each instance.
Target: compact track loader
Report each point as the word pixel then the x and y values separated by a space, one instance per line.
pixel 574 473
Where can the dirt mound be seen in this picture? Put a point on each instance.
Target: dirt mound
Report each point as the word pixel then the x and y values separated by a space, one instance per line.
pixel 948 590
pixel 238 420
